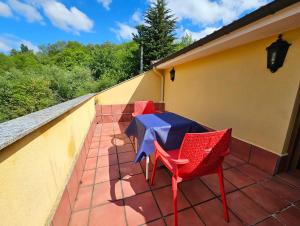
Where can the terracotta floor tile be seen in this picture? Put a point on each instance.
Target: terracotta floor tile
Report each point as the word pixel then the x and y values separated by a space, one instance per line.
pixel 226 166
pixel 282 189
pixel 107 160
pixel 212 214
pixel 97 133
pixel 63 211
pixel 107 125
pixel 106 144
pixel 88 177
pixel 83 199
pixel 162 178
pixel 253 172
pixel 265 198
pixel 106 192
pixel 269 222
pixel 95 139
pixel 111 214
pixel 130 169
pixel 107 173
pixel 107 151
pixel 93 152
pixel 90 163
pixel 121 136
pixel 212 181
pixel 196 191
pixel 237 178
pixel 164 198
pixel 73 186
pixel 105 132
pixel 141 209
pixel 117 131
pixel 125 148
pixel 246 209
pixel 185 218
pixel 79 218
pixel 126 157
pixel 159 222
pixel 290 179
pixel 290 216
pixel 94 145
pixel 121 141
pixel 133 185
pixel 106 138
pixel 233 161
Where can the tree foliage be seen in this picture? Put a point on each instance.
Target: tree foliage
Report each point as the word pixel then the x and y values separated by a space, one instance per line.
pixel 61 71
pixel 185 41
pixel 157 35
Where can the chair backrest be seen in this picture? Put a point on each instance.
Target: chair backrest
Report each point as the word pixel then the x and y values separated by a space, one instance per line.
pixel 205 152
pixel 144 107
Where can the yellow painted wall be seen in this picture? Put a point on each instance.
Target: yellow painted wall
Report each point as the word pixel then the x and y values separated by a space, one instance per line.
pixel 234 89
pixel 144 87
pixel 34 170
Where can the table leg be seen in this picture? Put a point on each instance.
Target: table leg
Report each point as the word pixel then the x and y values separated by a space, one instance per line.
pixel 135 144
pixel 147 167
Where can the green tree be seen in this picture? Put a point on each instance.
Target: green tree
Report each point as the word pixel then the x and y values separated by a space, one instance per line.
pixel 24 48
pixel 30 81
pixel 157 35
pixel 22 93
pixel 72 54
pixel 118 62
pixel 185 41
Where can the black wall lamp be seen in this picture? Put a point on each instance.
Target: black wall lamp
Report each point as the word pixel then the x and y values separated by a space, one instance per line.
pixel 172 74
pixel 276 54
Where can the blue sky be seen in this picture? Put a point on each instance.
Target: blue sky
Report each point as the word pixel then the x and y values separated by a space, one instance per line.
pixel 36 22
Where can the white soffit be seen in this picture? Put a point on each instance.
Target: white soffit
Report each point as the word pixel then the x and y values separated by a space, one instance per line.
pixel 282 21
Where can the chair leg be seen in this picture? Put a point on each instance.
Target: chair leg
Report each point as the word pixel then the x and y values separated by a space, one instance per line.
pixel 224 201
pixel 154 171
pixel 174 188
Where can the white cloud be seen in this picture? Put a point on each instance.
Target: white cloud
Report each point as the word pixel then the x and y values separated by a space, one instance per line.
pixel 9 42
pixel 5 10
pixel 72 20
pixel 26 10
pixel 105 3
pixel 124 31
pixel 137 17
pixel 208 12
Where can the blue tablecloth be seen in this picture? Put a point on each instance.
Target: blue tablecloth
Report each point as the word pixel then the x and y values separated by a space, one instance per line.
pixel 167 128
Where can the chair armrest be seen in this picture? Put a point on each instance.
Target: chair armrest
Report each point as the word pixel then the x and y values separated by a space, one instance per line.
pixel 180 161
pixel 163 153
pixel 161 150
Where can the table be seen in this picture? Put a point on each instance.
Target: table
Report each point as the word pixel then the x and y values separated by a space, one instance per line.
pixel 167 128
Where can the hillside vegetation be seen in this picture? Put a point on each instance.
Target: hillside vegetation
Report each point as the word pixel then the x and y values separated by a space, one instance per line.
pixel 61 71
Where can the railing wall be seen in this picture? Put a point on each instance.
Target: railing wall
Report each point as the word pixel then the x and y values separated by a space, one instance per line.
pixel 36 165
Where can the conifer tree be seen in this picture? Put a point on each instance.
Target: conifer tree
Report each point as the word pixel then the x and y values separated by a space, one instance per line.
pixel 157 34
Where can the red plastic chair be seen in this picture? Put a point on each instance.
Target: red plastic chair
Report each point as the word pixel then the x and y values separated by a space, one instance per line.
pixel 200 154
pixel 143 107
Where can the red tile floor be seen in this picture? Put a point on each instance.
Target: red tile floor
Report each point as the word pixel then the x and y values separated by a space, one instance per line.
pixel 114 191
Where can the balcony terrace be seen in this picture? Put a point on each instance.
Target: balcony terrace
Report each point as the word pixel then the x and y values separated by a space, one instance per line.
pixel 72 164
pixel 113 191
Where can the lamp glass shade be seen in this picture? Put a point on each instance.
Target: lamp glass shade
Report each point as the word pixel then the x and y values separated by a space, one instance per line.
pixel 172 74
pixel 276 54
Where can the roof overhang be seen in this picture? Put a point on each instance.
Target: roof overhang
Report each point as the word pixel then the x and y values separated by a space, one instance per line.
pixel 280 21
